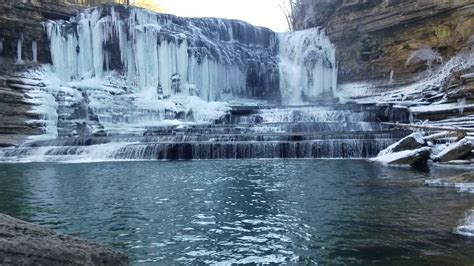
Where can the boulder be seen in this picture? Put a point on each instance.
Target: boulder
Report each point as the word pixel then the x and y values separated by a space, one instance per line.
pixel 455 151
pixel 22 243
pixel 411 142
pixel 418 157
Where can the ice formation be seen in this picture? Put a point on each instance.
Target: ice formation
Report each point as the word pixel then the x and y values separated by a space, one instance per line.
pixel 19 46
pixel 211 56
pixel 128 84
pixel 308 65
pixel 34 48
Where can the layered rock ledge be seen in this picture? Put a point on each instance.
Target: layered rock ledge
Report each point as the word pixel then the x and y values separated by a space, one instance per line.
pixel 375 37
pixel 22 243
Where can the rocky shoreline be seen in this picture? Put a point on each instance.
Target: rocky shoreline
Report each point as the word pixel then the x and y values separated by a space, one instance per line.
pixel 23 243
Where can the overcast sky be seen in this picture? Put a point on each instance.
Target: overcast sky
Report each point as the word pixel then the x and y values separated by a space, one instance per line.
pixel 265 13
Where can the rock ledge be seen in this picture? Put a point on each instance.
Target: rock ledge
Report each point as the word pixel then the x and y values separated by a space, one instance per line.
pixel 23 243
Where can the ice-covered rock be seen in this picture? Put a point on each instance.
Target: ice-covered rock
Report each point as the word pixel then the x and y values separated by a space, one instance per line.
pixel 466 228
pixel 454 151
pixel 407 157
pixel 413 141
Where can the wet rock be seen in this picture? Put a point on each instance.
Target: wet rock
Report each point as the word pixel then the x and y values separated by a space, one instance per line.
pixel 23 243
pixel 418 157
pixel 457 150
pixel 411 142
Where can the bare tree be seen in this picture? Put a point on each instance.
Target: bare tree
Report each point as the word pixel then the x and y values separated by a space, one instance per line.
pixel 290 8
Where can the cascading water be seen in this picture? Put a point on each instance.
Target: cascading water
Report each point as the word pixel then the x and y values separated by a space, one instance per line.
pixel 127 83
pixel 307 66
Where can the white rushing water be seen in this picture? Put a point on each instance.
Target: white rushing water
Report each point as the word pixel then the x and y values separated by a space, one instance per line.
pixel 308 66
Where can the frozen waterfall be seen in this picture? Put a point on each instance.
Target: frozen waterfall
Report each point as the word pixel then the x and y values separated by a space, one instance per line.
pixel 210 56
pixel 307 66
pixel 127 84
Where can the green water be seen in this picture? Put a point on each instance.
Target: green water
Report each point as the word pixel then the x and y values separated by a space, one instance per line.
pixel 247 211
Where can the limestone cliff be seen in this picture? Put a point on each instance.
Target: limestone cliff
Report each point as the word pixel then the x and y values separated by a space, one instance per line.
pixel 21 26
pixel 22 20
pixel 374 37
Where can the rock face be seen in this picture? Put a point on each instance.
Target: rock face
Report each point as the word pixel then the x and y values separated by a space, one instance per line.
pixel 375 37
pixel 15 110
pixel 22 33
pixel 22 21
pixel 23 243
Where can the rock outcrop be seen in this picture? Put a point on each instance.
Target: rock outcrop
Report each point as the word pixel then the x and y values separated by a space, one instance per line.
pixel 375 37
pixel 455 151
pixel 22 32
pixel 418 157
pixel 22 21
pixel 23 243
pixel 411 142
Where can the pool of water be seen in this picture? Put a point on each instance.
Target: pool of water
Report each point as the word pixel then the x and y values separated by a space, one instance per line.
pixel 247 211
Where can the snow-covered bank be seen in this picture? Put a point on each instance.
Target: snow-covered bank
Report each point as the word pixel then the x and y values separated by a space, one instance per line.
pixel 440 96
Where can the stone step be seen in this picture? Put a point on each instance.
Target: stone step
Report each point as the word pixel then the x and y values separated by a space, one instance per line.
pixel 346 148
pixel 214 138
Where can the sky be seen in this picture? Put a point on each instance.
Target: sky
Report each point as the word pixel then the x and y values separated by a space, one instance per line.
pixel 265 13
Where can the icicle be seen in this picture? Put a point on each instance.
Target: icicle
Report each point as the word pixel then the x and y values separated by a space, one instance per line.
pixel 1 45
pixel 34 47
pixel 391 77
pixel 152 49
pixel 19 44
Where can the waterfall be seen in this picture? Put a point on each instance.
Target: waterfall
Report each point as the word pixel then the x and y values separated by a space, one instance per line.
pixel 211 56
pixel 307 66
pixel 126 83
